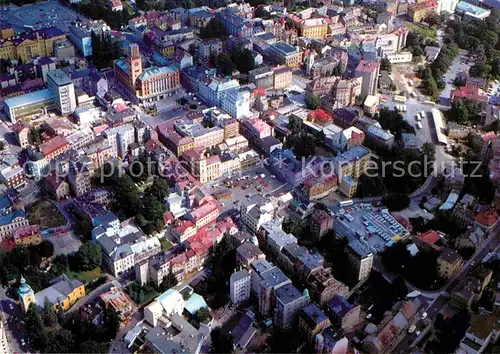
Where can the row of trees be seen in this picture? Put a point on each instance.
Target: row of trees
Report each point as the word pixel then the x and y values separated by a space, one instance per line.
pixel 163 5
pixel 50 334
pixel 464 111
pixel 432 81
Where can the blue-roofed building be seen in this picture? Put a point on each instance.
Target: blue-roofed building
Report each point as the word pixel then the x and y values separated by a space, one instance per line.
pixel 194 303
pixel 312 321
pixel 331 340
pixel 11 222
pixel 28 105
pixel 285 54
pixel 343 313
pixel 379 135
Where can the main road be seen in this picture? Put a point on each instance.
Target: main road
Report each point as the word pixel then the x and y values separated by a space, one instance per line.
pixel 404 344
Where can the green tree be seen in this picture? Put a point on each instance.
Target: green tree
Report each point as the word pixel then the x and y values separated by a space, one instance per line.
pixel 242 58
pixel 87 258
pixel 221 342
pixel 46 249
pixel 159 189
pixel 261 12
pixel 385 64
pixel 214 29
pixel 49 316
pixel 168 282
pixel 313 102
pixel 34 326
pixel 91 346
pixel 111 323
pixel 225 64
pixel 34 136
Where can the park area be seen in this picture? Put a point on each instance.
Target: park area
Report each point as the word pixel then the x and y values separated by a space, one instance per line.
pixel 141 294
pixel 45 214
pixel 423 31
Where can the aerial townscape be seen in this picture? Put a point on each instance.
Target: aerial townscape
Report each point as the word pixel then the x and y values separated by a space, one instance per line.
pixel 263 176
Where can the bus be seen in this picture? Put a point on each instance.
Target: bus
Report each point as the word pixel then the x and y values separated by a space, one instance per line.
pixel 346 203
pixel 399 98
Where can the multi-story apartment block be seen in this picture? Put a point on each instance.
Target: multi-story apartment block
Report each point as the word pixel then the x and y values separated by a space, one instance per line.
pixel 239 286
pixel 79 179
pixel 360 258
pixel 369 71
pixel 320 223
pixel 313 28
pixel 449 263
pixel 213 92
pixel 265 282
pixel 262 77
pixel 208 48
pixel 289 302
pixel 119 139
pixel 352 163
pixel 236 102
pixel 81 34
pixel 346 92
pixel 323 286
pixel 282 77
pixel 146 83
pixel 64 91
pixel 312 321
pixel 31 44
pixel 285 54
pixel 11 173
pixel 203 168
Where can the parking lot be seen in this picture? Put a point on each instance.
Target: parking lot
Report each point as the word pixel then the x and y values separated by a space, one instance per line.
pixel 230 191
pixel 43 14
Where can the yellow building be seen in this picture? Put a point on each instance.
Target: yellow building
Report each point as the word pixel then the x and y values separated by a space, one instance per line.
pixel 28 235
pixel 449 263
pixel 313 28
pixel 62 294
pixel 39 43
pixel 417 12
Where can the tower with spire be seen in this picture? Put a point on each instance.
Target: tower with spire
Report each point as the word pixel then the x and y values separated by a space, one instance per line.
pixel 26 294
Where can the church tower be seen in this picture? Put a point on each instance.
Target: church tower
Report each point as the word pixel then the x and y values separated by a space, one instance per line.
pixel 135 63
pixel 26 294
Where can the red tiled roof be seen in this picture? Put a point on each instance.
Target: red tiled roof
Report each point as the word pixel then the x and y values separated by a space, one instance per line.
pixel 53 144
pixel 430 238
pixel 487 218
pixel 203 210
pixel 168 217
pixel 7 245
pixel 468 92
pixel 368 66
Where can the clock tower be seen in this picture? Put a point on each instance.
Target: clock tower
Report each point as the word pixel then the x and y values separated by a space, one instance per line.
pixel 135 63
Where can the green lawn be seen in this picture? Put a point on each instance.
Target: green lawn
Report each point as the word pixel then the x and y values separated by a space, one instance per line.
pixel 426 32
pixel 141 294
pixel 86 277
pixel 165 244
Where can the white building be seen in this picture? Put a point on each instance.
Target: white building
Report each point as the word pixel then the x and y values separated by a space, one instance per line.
pixel 360 258
pixel 255 212
pixel 236 102
pixel 446 5
pixel 63 89
pixel 239 286
pixel 119 138
pixel 400 57
pixel 11 222
pixel 169 303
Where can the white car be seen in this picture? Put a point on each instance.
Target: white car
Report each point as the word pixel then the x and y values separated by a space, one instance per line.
pixel 424 316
